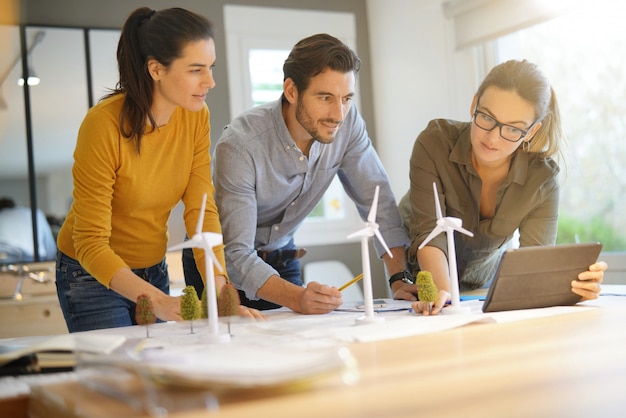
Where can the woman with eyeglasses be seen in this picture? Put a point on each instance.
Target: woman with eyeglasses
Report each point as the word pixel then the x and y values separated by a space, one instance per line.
pixel 498 174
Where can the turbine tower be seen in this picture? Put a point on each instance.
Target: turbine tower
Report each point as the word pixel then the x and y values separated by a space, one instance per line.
pixel 370 229
pixel 448 225
pixel 206 241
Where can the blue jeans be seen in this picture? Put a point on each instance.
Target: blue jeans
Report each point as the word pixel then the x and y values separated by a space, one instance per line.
pixel 87 304
pixel 287 268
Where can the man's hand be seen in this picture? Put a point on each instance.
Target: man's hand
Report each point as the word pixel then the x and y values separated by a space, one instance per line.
pixel 315 298
pixel 318 298
pixel 404 291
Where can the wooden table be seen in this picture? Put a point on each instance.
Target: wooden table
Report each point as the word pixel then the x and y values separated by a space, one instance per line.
pixel 571 365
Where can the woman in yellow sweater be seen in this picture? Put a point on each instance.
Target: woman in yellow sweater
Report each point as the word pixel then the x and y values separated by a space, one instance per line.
pixel 140 151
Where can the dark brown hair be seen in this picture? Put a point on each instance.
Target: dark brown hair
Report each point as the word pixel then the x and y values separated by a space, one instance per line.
pixel 312 55
pixel 147 34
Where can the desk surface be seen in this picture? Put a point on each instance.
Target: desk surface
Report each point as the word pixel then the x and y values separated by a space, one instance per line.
pixel 569 365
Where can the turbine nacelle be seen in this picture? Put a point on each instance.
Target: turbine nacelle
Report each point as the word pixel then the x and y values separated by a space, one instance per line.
pixel 371 227
pixel 204 240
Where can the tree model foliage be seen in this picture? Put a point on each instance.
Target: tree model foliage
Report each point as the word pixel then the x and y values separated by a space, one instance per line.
pixel 426 289
pixel 190 305
pixel 228 302
pixel 144 312
pixel 204 305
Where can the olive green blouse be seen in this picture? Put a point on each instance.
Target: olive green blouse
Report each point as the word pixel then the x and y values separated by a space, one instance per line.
pixel 527 200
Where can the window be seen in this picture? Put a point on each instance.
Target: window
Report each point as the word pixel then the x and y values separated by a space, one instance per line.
pixel 582 54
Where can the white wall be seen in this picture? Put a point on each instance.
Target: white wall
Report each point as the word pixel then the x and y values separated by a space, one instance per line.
pixel 417 76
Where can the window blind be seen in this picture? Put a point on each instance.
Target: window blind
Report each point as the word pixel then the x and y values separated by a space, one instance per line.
pixel 479 21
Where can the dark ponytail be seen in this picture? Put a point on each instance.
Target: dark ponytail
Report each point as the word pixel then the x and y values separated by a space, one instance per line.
pixel 147 34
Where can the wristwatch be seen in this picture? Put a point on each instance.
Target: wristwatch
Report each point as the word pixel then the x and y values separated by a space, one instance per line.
pixel 403 276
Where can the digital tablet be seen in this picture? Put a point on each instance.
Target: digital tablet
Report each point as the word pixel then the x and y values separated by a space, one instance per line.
pixel 539 276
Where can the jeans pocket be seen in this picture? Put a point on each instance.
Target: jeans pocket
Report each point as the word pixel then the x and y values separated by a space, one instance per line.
pixel 73 274
pixel 80 278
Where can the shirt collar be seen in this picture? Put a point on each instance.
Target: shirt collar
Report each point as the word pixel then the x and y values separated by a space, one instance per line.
pixel 284 136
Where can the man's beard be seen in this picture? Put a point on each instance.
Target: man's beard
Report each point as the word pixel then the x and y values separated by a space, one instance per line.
pixel 305 120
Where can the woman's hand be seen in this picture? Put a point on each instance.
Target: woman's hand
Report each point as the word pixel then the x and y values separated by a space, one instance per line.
pixel 423 307
pixel 166 308
pixel 588 283
pixel 252 313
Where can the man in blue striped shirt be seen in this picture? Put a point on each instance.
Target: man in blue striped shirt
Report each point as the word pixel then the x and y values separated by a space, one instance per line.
pixel 273 164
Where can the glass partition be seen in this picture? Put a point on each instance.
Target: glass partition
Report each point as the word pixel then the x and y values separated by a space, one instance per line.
pixel 16 236
pixel 39 121
pixel 58 105
pixel 103 61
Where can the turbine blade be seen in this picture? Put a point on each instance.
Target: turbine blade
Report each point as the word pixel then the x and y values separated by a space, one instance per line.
pixel 184 244
pixel 437 205
pixel 372 215
pixel 210 240
pixel 464 231
pixel 201 216
pixel 364 232
pixel 382 241
pixel 209 252
pixel 436 231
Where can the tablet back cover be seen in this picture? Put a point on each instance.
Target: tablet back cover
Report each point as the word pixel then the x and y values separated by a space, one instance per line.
pixel 540 276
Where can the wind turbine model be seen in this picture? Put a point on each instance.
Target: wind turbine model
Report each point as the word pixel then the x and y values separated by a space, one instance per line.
pixel 448 225
pixel 370 229
pixel 206 241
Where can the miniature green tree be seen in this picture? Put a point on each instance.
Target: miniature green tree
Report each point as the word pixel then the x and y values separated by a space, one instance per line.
pixel 426 289
pixel 190 305
pixel 144 312
pixel 204 305
pixel 228 302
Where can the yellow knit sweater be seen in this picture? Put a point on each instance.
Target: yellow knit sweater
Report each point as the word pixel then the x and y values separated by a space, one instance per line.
pixel 122 199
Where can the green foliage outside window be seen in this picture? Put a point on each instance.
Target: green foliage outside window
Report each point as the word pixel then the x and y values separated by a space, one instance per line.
pixel 572 230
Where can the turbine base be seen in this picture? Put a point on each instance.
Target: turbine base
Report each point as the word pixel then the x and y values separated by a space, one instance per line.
pixel 364 320
pixel 450 310
pixel 216 338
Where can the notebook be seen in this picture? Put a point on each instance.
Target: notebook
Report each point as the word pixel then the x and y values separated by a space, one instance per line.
pixel 51 353
pixel 539 276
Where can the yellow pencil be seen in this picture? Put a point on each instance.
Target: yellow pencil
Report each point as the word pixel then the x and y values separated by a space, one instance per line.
pixel 351 282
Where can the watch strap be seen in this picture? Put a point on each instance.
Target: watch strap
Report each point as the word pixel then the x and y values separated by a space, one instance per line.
pixel 404 276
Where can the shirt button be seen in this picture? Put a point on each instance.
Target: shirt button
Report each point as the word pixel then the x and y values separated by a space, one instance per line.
pixel 293 203
pixel 301 158
pixel 287 147
pixel 276 228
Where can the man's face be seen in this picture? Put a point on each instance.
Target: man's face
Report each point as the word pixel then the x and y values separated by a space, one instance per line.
pixel 322 107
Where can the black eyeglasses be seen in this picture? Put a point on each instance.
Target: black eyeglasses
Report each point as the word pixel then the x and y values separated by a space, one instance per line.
pixel 507 132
